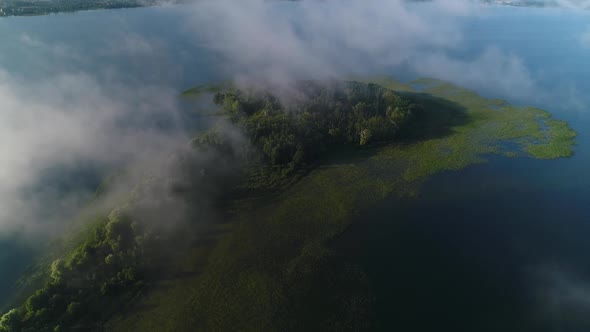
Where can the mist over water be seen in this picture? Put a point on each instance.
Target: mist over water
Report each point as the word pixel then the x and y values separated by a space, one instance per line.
pixel 495 247
pixel 510 234
pixel 501 246
pixel 137 46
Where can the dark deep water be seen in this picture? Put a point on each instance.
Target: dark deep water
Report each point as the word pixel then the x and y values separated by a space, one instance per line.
pixel 14 258
pixel 480 250
pixel 502 246
pixel 496 247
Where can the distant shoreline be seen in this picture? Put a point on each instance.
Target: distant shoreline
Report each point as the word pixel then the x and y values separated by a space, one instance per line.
pixel 42 8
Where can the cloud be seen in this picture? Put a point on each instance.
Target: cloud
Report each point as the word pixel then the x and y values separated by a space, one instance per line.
pixel 133 44
pixel 61 52
pixel 569 4
pixel 70 119
pixel 324 38
pixel 562 299
pixel 493 70
pixel 66 123
pixel 585 38
pixel 573 4
pixel 73 117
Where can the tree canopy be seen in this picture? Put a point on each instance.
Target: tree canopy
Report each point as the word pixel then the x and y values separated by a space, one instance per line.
pixel 108 265
pixel 294 130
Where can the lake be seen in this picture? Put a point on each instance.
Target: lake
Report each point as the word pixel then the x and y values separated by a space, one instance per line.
pixel 496 247
pixel 501 246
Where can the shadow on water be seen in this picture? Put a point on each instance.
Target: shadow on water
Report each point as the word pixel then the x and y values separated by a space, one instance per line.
pixel 436 120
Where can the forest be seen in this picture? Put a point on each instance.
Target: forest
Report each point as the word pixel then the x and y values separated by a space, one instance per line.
pixel 315 117
pixel 112 259
pixel 44 7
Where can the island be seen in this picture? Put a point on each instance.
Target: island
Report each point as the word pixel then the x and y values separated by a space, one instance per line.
pixel 281 173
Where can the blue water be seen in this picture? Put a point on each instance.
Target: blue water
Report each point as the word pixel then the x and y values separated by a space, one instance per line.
pixel 92 42
pixel 495 247
pixel 501 246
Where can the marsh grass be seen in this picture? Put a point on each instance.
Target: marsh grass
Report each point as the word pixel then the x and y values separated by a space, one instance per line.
pixel 203 89
pixel 275 269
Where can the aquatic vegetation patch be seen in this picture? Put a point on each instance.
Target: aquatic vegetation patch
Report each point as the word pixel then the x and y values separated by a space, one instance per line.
pixel 490 127
pixel 311 167
pixel 275 270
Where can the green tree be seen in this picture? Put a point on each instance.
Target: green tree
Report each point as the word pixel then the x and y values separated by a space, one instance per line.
pixel 119 234
pixel 10 322
pixel 299 157
pixel 73 308
pixel 366 136
pixel 57 271
pixel 36 302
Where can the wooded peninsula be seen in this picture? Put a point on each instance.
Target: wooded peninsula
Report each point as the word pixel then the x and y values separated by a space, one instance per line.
pixel 281 173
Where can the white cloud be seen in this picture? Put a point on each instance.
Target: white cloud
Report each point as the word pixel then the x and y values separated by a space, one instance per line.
pixel 493 70
pixel 328 38
pixel 56 49
pixel 585 38
pixel 133 44
pixel 573 4
pixel 317 39
pixel 66 120
pixel 562 299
